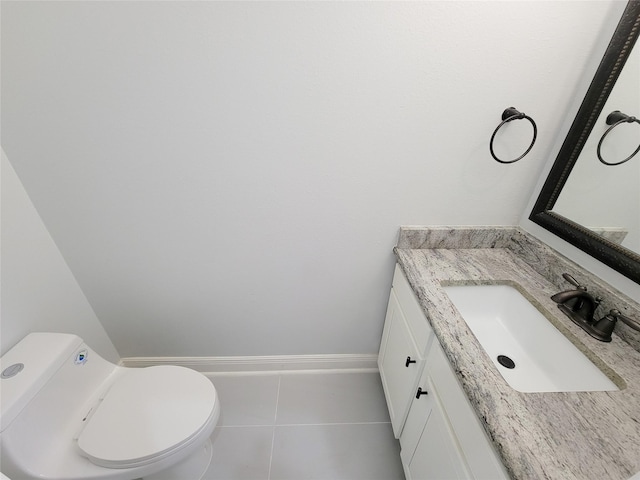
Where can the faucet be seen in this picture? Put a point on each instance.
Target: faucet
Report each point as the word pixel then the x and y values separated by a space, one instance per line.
pixel 577 304
pixel 580 307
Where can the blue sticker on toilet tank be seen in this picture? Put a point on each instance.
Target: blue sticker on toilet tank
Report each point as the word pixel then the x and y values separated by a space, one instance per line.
pixel 81 357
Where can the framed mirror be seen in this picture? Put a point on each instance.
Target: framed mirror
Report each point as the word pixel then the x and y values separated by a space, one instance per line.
pixel 568 201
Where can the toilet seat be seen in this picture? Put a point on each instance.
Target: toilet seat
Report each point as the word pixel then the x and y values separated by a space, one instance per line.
pixel 147 414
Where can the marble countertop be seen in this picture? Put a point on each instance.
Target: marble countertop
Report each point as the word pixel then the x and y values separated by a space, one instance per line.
pixel 575 435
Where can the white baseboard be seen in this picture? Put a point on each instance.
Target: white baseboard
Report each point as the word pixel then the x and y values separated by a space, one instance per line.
pixel 277 363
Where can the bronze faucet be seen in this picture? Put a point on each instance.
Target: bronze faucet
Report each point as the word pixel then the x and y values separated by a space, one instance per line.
pixel 577 304
pixel 580 307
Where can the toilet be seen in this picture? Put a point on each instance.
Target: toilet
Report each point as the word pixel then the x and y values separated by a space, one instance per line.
pixel 67 413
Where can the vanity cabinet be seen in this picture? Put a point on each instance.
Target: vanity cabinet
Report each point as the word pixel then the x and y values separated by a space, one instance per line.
pixel 440 436
pixel 405 340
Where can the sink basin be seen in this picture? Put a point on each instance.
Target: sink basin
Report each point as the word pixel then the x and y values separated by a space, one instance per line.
pixel 538 357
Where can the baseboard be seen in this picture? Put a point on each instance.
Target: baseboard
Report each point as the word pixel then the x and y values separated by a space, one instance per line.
pixel 277 363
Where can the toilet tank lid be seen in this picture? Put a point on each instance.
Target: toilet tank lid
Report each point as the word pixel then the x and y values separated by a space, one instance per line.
pixel 41 355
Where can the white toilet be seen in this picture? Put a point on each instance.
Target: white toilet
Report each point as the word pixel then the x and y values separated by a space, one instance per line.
pixel 66 413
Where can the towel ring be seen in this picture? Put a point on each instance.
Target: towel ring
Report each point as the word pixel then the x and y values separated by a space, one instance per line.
pixel 507 116
pixel 614 119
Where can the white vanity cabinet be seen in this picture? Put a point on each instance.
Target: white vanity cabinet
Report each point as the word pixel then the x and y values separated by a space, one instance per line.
pixel 405 340
pixel 440 436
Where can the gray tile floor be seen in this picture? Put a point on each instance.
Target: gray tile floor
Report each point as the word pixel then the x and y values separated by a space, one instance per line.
pixel 298 426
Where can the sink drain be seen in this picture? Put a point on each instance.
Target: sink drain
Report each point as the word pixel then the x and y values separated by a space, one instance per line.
pixel 506 361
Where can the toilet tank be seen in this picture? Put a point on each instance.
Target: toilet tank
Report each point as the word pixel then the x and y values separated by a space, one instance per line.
pixel 45 401
pixel 28 366
pixel 35 361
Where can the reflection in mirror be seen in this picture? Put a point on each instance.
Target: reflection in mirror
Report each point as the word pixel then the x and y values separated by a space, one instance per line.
pixel 593 206
pixel 606 199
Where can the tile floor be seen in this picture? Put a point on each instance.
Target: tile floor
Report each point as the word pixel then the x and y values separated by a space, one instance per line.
pixel 299 426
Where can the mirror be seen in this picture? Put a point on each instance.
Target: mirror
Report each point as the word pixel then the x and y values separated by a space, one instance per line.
pixel 582 200
pixel 606 198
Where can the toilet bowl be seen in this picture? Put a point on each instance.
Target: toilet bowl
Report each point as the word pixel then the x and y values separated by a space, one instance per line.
pixel 67 413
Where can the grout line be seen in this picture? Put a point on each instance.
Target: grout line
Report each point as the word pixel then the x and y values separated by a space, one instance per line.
pixel 318 371
pixel 273 434
pixel 329 371
pixel 247 426
pixel 330 424
pixel 301 424
pixel 275 414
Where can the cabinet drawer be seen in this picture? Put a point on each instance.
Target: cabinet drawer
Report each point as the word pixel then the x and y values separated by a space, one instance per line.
pixel 416 319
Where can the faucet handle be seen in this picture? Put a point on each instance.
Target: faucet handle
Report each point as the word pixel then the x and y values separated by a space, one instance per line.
pixel 603 328
pixel 635 324
pixel 573 282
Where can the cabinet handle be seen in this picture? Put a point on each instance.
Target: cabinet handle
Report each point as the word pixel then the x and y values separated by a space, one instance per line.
pixel 406 364
pixel 421 392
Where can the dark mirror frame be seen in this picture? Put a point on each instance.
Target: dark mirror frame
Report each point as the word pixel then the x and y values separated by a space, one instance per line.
pixel 616 256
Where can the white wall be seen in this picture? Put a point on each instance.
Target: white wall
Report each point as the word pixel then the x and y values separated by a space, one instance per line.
pixel 228 178
pixel 39 292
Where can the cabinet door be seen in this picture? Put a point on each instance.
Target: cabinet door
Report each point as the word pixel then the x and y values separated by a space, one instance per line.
pixel 399 375
pixel 418 415
pixel 479 454
pixel 437 455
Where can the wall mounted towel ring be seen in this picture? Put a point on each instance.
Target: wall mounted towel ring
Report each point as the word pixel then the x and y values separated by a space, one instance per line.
pixel 507 116
pixel 614 119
